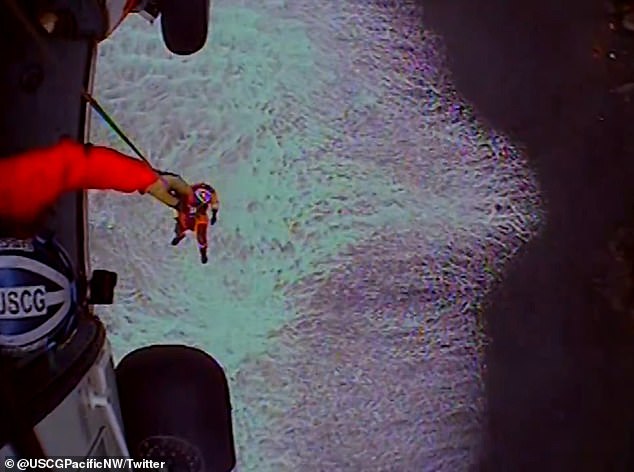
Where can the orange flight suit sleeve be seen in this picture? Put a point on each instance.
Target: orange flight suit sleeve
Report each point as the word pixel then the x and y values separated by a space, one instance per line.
pixel 32 181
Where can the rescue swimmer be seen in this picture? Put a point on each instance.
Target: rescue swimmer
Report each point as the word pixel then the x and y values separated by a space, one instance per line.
pixel 192 206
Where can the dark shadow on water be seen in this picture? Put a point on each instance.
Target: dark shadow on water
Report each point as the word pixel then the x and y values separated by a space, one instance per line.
pixel 560 380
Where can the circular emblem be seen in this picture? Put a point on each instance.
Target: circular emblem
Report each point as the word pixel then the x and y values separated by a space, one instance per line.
pixel 38 294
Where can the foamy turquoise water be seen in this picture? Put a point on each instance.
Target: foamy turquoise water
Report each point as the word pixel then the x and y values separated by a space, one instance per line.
pixel 357 211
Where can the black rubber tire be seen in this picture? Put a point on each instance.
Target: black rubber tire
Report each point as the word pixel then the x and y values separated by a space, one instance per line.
pixel 185 25
pixel 177 392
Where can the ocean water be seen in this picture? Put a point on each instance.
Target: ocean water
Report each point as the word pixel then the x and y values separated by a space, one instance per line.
pixel 366 211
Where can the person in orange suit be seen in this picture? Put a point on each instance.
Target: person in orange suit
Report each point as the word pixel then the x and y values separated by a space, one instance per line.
pixel 193 216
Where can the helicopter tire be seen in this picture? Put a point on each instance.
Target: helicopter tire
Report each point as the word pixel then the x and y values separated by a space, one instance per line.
pixel 184 25
pixel 176 407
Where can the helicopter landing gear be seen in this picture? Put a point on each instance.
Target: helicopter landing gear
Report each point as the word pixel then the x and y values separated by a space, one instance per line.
pixel 176 408
pixel 184 25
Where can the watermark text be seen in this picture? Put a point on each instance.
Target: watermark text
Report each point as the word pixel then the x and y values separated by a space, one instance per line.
pixel 69 463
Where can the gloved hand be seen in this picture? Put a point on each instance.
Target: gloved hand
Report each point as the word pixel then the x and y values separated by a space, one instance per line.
pixel 214 217
pixel 160 191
